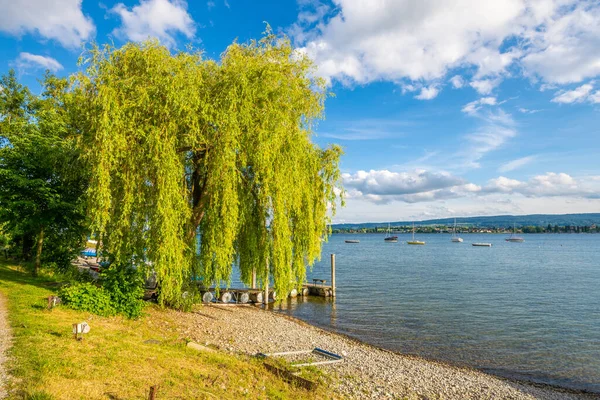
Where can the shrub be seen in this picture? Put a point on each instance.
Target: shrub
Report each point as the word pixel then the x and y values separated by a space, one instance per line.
pixel 87 297
pixel 125 286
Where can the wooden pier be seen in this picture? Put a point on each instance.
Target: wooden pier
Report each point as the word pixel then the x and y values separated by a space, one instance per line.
pixel 318 287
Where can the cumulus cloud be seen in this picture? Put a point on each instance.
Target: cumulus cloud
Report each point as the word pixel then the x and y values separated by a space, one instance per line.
pixel 485 86
pixel 567 49
pixel 428 93
pixel 34 61
pixel 578 95
pixel 361 42
pixel 60 20
pixel 161 19
pixel 548 185
pixel 383 186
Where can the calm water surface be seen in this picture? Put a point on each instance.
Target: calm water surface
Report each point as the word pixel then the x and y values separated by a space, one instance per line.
pixel 525 310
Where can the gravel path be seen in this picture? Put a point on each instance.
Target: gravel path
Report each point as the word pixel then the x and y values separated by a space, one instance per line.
pixel 367 372
pixel 4 345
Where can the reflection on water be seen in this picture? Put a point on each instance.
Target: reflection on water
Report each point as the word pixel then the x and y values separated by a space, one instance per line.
pixel 527 310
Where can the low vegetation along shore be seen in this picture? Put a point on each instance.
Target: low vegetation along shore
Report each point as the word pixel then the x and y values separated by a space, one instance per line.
pixel 122 359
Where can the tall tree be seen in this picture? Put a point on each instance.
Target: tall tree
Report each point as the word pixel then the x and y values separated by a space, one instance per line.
pixel 199 164
pixel 41 184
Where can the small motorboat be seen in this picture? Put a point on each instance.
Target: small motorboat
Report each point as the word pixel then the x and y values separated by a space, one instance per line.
pixel 482 244
pixel 352 241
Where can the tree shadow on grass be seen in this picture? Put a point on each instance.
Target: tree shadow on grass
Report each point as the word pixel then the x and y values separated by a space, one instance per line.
pixel 11 272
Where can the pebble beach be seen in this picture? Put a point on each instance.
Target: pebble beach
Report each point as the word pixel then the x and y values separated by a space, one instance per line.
pixel 366 372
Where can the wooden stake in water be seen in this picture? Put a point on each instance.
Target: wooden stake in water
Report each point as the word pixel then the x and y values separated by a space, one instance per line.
pixel 266 299
pixel 333 275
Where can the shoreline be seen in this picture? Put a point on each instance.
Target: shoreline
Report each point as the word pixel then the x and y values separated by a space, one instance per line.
pixel 367 371
pixel 446 363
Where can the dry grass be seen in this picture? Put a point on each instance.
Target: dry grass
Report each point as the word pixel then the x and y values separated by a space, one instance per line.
pixel 113 361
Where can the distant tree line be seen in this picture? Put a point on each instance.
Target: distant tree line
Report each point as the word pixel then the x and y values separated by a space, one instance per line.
pixel 474 229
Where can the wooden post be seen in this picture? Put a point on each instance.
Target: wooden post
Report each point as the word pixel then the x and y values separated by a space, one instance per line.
pixel 333 275
pixel 153 390
pixel 266 298
pixel 254 278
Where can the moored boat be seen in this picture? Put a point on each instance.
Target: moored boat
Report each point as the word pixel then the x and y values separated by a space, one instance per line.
pixel 513 236
pixel 455 239
pixel 413 241
pixel 389 238
pixel 482 244
pixel 352 241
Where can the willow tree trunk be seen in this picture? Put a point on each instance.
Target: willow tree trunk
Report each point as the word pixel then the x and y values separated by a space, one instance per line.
pixel 38 253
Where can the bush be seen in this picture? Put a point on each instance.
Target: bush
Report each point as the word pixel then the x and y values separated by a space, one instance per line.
pixel 87 297
pixel 125 286
pixel 122 292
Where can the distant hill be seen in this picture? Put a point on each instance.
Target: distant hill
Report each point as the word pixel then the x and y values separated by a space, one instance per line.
pixel 498 221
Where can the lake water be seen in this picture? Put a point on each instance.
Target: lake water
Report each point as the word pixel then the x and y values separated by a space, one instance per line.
pixel 524 310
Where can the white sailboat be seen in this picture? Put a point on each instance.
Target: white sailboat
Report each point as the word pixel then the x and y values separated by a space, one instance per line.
pixel 413 241
pixel 513 236
pixel 455 239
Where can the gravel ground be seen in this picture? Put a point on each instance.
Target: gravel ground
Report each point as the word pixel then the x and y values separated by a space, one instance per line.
pixel 367 372
pixel 4 345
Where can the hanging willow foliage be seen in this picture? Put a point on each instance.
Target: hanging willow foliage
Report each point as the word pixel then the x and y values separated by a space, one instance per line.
pixel 186 148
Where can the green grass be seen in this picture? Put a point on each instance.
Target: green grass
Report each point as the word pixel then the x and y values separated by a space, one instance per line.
pixel 113 362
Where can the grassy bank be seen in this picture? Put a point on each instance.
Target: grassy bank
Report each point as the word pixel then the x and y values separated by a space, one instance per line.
pixel 119 358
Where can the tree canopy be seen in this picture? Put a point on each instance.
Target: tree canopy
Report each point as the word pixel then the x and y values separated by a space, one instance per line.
pixel 41 179
pixel 197 165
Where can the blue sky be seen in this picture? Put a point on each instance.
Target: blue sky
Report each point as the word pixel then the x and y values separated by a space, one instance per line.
pixel 444 108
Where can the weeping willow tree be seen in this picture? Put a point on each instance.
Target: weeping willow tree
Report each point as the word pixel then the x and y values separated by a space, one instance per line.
pixel 198 165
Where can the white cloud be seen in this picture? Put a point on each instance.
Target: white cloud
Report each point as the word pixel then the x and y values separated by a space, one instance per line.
pixel 578 95
pixel 567 49
pixel 497 129
pixel 28 60
pixel 548 185
pixel 476 105
pixel 60 20
pixel 161 19
pixel 457 81
pixel 484 86
pixel 516 164
pixel 357 42
pixel 368 129
pixel 428 93
pixel 527 110
pixel 382 186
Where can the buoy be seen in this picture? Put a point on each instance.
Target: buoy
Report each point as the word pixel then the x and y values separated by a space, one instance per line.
pixel 225 297
pixel 256 297
pixel 207 297
pixel 243 297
